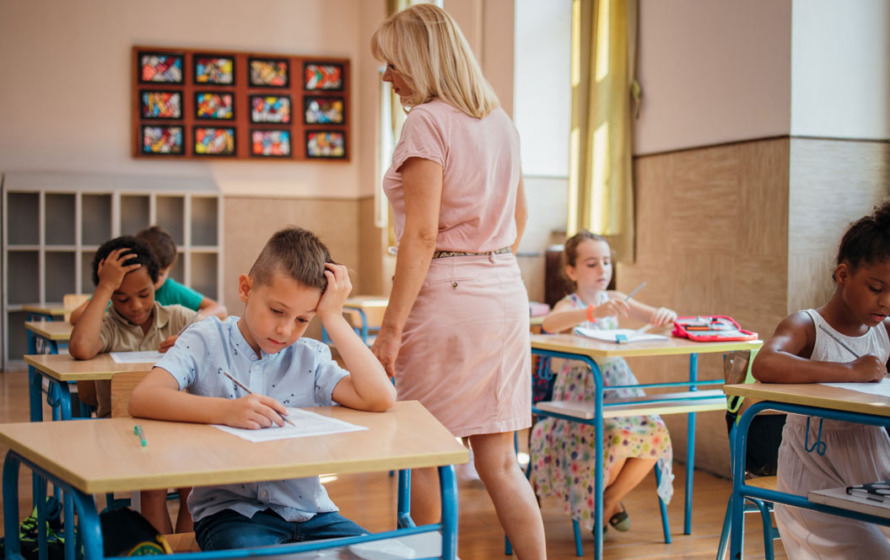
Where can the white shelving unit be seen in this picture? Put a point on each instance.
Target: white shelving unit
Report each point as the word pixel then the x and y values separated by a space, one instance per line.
pixel 54 223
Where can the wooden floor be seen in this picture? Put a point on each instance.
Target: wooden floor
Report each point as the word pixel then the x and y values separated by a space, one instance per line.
pixel 369 499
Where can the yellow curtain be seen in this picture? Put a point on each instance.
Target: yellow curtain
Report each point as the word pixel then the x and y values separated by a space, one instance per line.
pixel 604 95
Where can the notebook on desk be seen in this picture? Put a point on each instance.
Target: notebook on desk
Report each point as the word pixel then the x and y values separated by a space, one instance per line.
pixel 838 497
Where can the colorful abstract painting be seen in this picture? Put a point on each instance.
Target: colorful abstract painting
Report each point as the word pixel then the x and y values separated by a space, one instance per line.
pixel 214 70
pixel 270 143
pixel 210 105
pixel 160 104
pixel 323 110
pixel 325 144
pixel 322 76
pixel 160 68
pixel 269 72
pixel 270 109
pixel 162 140
pixel 213 141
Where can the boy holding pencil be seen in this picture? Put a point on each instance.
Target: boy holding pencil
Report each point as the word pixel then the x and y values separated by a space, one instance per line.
pixel 292 281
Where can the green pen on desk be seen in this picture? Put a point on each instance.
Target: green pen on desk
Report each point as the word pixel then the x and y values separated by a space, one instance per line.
pixel 137 429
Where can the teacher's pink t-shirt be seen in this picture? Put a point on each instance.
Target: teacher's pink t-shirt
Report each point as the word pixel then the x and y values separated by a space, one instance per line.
pixel 480 162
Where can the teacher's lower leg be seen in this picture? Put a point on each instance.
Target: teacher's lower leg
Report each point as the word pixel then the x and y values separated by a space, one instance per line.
pixel 425 498
pixel 624 478
pixel 513 497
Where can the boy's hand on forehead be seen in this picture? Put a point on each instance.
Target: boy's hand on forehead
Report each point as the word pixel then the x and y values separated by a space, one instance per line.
pixel 339 287
pixel 112 270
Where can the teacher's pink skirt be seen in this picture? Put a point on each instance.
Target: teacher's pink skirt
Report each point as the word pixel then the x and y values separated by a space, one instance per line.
pixel 465 350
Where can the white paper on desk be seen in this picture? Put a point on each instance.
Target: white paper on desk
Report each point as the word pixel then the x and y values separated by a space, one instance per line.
pixel 147 357
pixel 609 335
pixel 307 424
pixel 882 389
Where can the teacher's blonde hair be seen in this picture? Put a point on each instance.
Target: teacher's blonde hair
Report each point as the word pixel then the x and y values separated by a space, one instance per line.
pixel 424 44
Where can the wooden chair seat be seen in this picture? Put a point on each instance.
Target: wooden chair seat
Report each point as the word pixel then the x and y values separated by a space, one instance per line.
pixel 662 403
pixel 182 542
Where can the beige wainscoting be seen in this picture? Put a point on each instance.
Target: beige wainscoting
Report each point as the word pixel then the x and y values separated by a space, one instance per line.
pixel 747 230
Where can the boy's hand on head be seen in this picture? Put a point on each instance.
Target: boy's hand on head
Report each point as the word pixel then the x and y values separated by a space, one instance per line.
pixel 253 412
pixel 868 369
pixel 168 343
pixel 663 316
pixel 612 308
pixel 339 287
pixel 112 270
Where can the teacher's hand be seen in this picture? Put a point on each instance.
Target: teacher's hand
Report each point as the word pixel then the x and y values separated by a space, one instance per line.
pixel 386 348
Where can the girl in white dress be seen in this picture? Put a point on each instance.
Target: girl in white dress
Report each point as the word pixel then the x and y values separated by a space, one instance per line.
pixel 805 349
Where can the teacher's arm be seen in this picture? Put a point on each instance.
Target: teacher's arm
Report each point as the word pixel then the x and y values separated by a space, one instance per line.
pixel 422 186
pixel 520 215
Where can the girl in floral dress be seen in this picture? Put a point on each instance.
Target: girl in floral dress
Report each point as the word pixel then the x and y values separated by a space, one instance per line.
pixel 563 452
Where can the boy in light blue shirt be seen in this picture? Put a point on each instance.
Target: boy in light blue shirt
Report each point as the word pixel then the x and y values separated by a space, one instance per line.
pixel 292 281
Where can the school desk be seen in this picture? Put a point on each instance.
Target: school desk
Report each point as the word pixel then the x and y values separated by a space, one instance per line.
pixel 102 456
pixel 46 311
pixel 59 371
pixel 574 347
pixel 810 399
pixel 45 337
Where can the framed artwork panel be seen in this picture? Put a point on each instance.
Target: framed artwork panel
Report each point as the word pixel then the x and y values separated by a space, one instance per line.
pixel 214 141
pixel 325 144
pixel 322 76
pixel 160 104
pixel 324 110
pixel 160 68
pixel 270 143
pixel 161 139
pixel 213 105
pixel 270 109
pixel 214 69
pixel 269 72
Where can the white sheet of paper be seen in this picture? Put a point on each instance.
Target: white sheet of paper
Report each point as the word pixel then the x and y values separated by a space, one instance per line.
pixel 881 389
pixel 608 335
pixel 307 424
pixel 147 357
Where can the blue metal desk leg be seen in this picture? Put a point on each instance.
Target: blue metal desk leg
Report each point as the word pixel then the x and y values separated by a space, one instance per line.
pixel 736 502
pixel 690 449
pixel 11 507
pixel 404 520
pixel 35 392
pixel 448 486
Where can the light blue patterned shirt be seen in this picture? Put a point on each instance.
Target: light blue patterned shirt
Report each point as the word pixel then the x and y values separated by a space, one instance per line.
pixel 302 374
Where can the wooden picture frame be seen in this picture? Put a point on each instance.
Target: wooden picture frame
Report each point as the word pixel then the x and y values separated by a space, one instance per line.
pixel 162 140
pixel 322 76
pixel 214 105
pixel 270 108
pixel 160 104
pixel 157 67
pixel 319 109
pixel 214 141
pixel 268 72
pixel 213 70
pixel 271 143
pixel 326 144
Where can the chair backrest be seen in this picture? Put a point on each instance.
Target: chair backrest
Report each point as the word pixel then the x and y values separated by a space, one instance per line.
pixel 122 385
pixel 71 302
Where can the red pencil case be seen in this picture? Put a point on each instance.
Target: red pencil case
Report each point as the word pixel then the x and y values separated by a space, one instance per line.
pixel 710 328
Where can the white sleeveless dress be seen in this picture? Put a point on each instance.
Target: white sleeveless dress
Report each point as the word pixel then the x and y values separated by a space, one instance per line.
pixel 854 454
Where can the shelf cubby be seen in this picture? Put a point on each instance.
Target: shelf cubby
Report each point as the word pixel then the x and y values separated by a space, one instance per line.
pixel 135 213
pixel 23 218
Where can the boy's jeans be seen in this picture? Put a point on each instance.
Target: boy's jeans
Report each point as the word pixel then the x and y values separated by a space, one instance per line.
pixel 228 529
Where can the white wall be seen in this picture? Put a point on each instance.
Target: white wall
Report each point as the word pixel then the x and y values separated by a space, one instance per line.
pixel 66 87
pixel 840 71
pixel 543 94
pixel 713 72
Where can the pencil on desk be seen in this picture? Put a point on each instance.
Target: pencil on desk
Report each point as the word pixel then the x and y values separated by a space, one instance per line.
pixel 839 341
pixel 249 392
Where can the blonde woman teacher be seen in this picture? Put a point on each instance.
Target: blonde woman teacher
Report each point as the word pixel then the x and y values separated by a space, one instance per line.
pixel 455 332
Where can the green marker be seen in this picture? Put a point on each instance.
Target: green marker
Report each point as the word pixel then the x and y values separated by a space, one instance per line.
pixel 137 429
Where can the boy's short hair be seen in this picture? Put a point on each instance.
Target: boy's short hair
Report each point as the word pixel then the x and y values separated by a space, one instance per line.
pixel 162 245
pixel 296 252
pixel 139 250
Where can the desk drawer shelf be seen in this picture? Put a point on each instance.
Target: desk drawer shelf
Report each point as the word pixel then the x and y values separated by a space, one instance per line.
pixel 54 223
